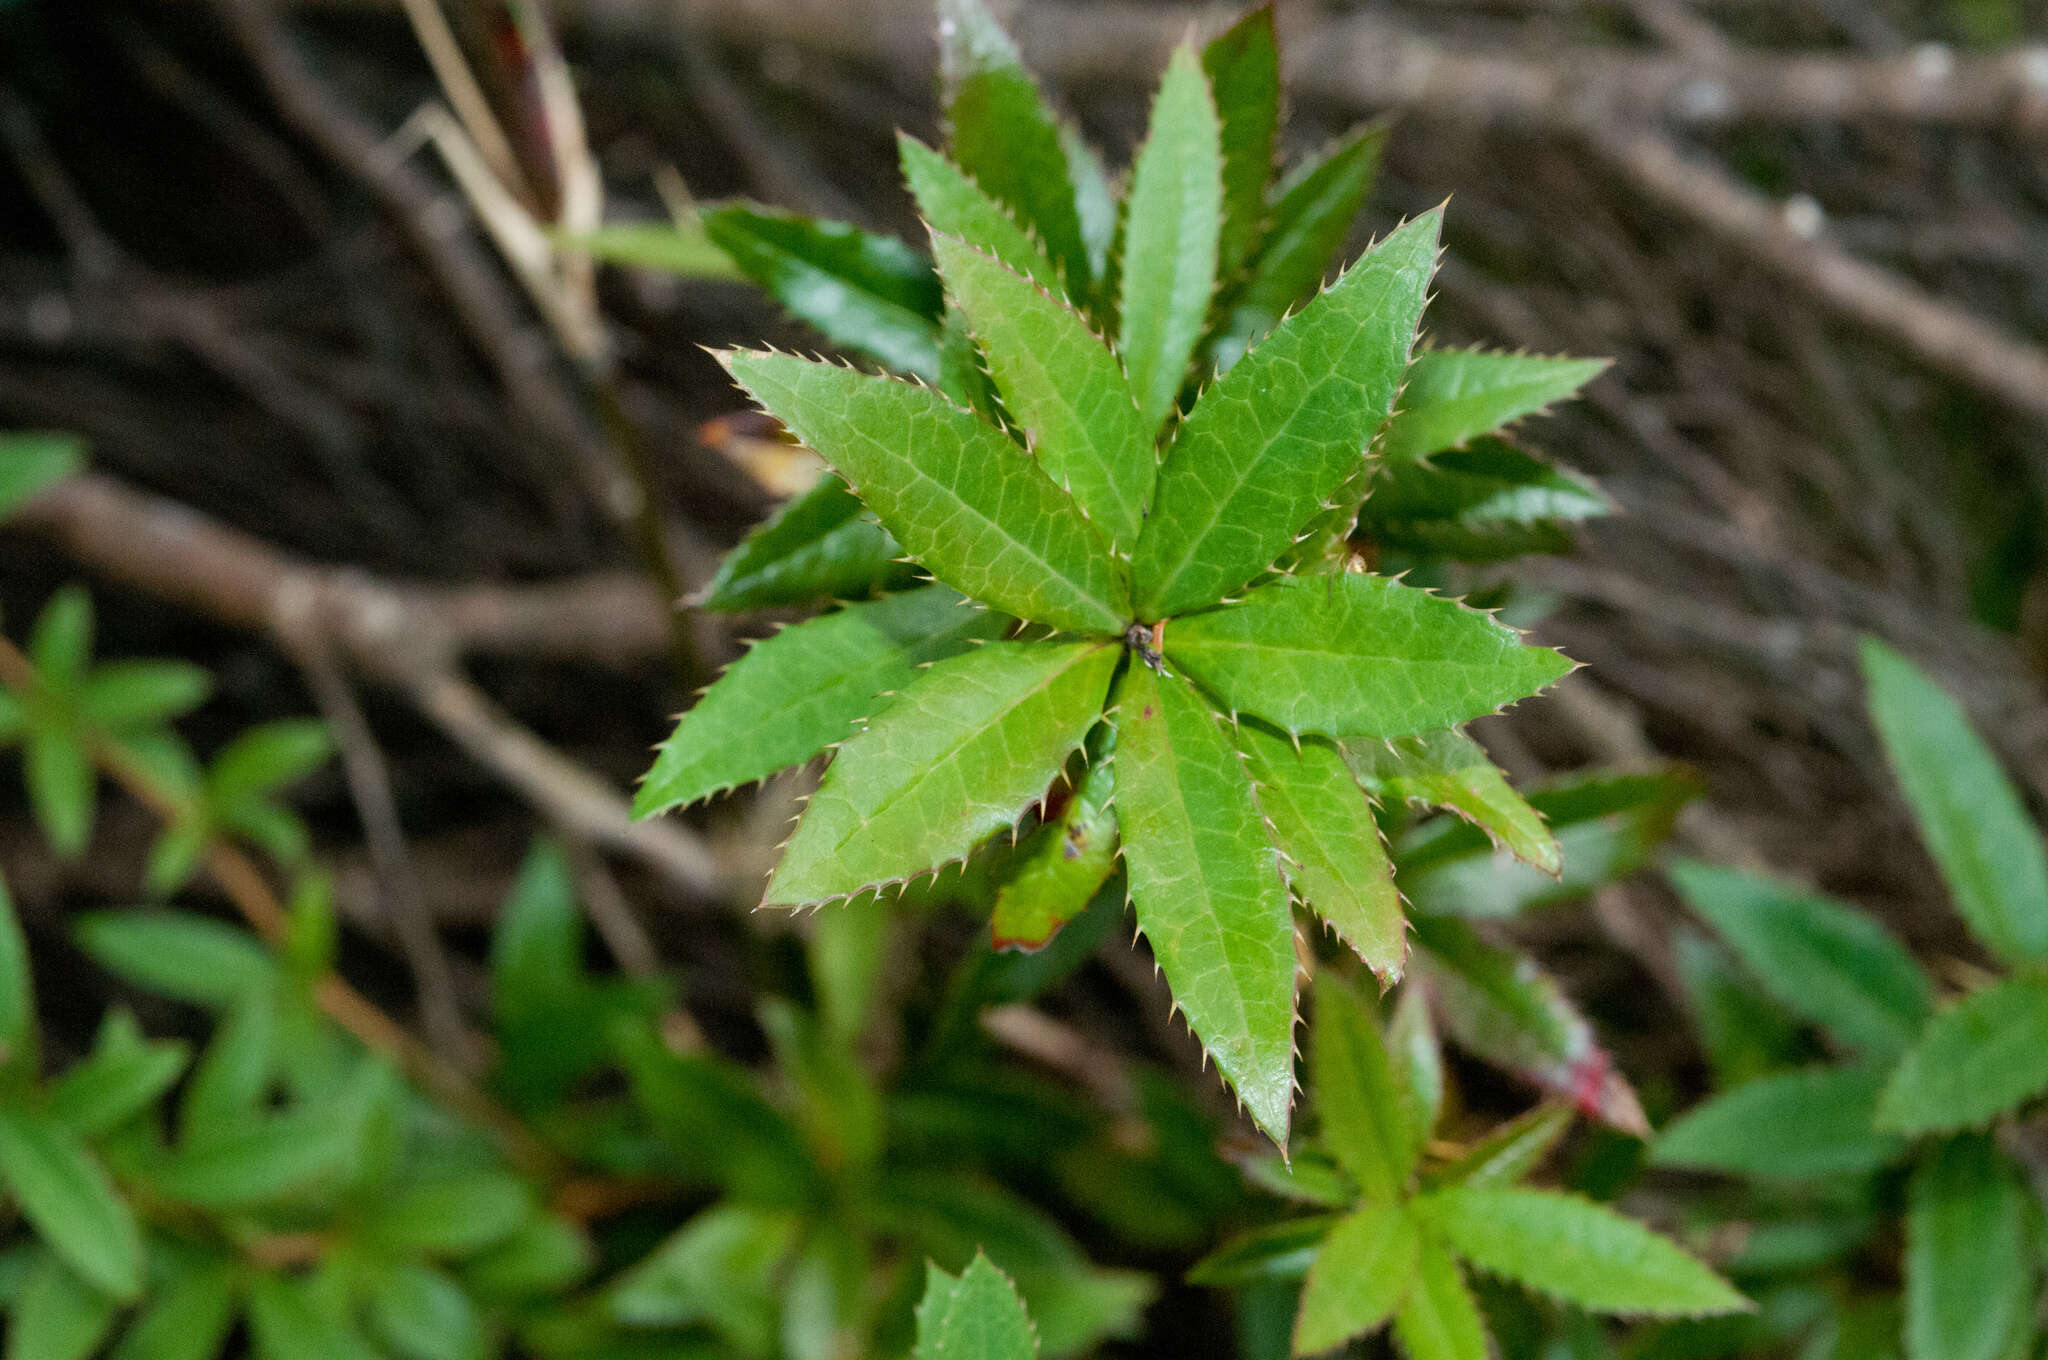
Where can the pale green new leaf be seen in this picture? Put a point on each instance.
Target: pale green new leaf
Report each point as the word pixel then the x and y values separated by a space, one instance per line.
pixel 1269 443
pixel 1576 1250
pixel 1171 223
pixel 806 688
pixel 1827 962
pixel 1331 847
pixel 1439 1319
pixel 1510 1151
pixel 960 754
pixel 1066 860
pixel 1969 813
pixel 1974 1061
pixel 1801 1125
pixel 1448 769
pixel 977 1316
pixel 1367 1122
pixel 964 500
pixel 1360 1276
pixel 32 461
pixel 68 1198
pixel 1351 655
pixel 680 248
pixel 822 545
pixel 952 203
pixel 1206 884
pixel 1452 395
pixel 1243 67
pixel 1970 1271
pixel 1061 384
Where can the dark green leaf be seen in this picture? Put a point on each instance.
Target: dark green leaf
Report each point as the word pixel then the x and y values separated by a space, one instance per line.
pixel 455 1216
pixel 1488 502
pixel 33 461
pixel 1970 1273
pixel 70 1201
pixel 822 545
pixel 1454 395
pixel 1790 1125
pixel 17 992
pixel 1243 66
pixel 188 1319
pixel 1278 1251
pixel 953 204
pixel 545 1256
pixel 1983 1056
pixel 1360 1276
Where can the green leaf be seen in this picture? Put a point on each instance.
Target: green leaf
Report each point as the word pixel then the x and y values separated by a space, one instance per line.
pixel 720 1267
pixel 1351 655
pixel 1419 1058
pixel 69 1200
pixel 863 292
pixel 34 461
pixel 1206 884
pixel 1330 845
pixel 1803 1125
pixel 1439 1319
pixel 188 1319
pixel 954 490
pixel 17 992
pixel 1368 1124
pixel 256 1162
pixel 128 694
pixel 537 946
pixel 1971 1274
pixel 61 787
pixel 975 1317
pixel 1576 1250
pixel 1270 442
pixel 1062 384
pixel 1510 1151
pixel 546 1256
pixel 959 755
pixel 232 1079
pixel 124 1076
pixel 952 203
pixel 823 544
pixel 1243 67
pixel 1453 395
pixel 1743 1032
pixel 1484 503
pixel 683 249
pixel 797 692
pixel 1360 1276
pixel 1969 813
pixel 290 1321
pixel 59 1316
pixel 1978 1059
pixel 1003 134
pixel 1449 770
pixel 1171 223
pixel 1827 962
pixel 1277 1251
pixel 1095 203
pixel 269 757
pixel 1308 225
pixel 60 644
pixel 176 954
pixel 452 1216
pixel 1066 860
pixel 421 1314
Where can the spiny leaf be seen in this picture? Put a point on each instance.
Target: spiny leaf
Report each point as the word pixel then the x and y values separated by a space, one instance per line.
pixel 1577 1250
pixel 951 202
pixel 1969 814
pixel 1978 1059
pixel 1360 1276
pixel 1448 769
pixel 1452 395
pixel 1171 222
pixel 822 545
pixel 1827 962
pixel 1801 1125
pixel 1095 203
pixel 1351 655
pixel 1334 857
pixel 955 492
pixel 1243 66
pixel 1970 1271
pixel 863 292
pixel 33 461
pixel 1063 386
pixel 70 1201
pixel 1065 861
pixel 804 689
pixel 1486 502
pixel 1439 1319
pixel 1510 1151
pixel 1363 1106
pixel 1207 888
pixel 1270 442
pixel 975 1317
pixel 960 754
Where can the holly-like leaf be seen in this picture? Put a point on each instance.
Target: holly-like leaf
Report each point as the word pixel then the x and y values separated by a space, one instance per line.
pixel 1062 385
pixel 1827 962
pixel 1330 845
pixel 953 204
pixel 1367 1124
pixel 824 544
pixel 1448 769
pixel 1969 813
pixel 1350 655
pixel 975 1317
pixel 978 513
pixel 1066 860
pixel 1439 1319
pixel 1976 1060
pixel 1270 442
pixel 1486 502
pixel 960 754
pixel 806 688
pixel 1802 1125
pixel 70 1201
pixel 1243 67
pixel 1576 1250
pixel 1207 888
pixel 1171 223
pixel 1453 395
pixel 1510 1151
pixel 1003 134
pixel 863 292
pixel 33 461
pixel 1360 1276
pixel 1095 203
pixel 1971 1276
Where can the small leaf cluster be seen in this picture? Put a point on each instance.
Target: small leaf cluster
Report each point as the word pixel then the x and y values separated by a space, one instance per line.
pixel 1921 1083
pixel 1131 443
